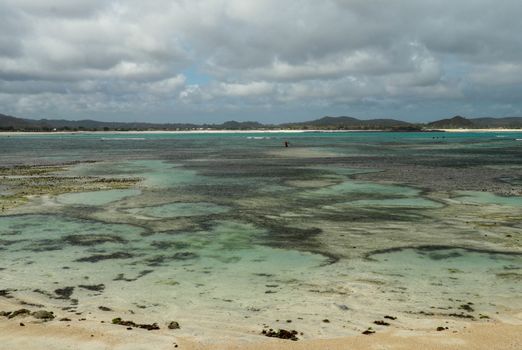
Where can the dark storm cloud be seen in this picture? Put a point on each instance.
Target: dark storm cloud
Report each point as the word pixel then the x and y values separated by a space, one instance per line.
pixel 212 59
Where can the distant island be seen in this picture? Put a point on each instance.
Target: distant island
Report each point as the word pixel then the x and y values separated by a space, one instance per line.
pixel 12 124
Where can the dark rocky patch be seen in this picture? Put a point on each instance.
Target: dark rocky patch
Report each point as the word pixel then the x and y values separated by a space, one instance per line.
pixel 104 308
pixel 173 325
pixel 185 256
pixel 6 293
pixel 424 249
pixel 390 317
pixel 462 315
pixel 381 323
pixel 156 261
pixel 167 245
pixel 369 331
pixel 93 287
pixel 281 334
pixel 149 327
pixel 439 329
pixel 99 257
pixel 467 307
pixel 22 302
pixel 64 293
pixel 43 315
pixel 19 312
pixel 93 239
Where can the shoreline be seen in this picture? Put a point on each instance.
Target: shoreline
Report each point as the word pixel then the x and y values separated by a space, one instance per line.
pixel 144 132
pixel 270 131
pixel 481 130
pixel 93 335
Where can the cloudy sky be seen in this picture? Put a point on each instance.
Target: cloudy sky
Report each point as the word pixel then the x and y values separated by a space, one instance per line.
pixel 266 60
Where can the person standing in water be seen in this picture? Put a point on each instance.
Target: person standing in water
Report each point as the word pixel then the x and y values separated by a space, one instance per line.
pixel 286 143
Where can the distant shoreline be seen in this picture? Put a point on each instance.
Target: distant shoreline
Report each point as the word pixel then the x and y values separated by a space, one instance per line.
pixel 481 130
pixel 289 131
pixel 296 131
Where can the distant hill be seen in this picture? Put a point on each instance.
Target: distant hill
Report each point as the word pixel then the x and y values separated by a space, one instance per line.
pixel 10 123
pixel 459 122
pixel 456 122
pixel 233 125
pixel 348 123
pixel 508 122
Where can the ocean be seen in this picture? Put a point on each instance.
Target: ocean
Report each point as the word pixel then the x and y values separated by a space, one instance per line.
pixel 233 233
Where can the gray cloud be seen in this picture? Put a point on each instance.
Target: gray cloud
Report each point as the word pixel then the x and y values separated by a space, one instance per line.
pixel 210 60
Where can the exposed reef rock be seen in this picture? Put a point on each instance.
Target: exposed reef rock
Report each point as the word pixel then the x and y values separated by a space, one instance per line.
pixel 149 327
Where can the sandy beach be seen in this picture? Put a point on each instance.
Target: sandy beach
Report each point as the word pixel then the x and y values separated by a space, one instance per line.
pixel 90 335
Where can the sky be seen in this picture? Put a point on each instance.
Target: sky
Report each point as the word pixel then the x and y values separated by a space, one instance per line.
pixel 272 61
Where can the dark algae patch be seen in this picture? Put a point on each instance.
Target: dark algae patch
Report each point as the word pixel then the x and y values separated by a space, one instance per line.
pixel 93 239
pixel 64 293
pixel 121 276
pixel 100 257
pixel 93 287
pixel 440 252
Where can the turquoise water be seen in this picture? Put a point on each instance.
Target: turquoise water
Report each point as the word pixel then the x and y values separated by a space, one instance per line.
pixel 95 198
pixel 475 197
pixel 179 209
pixel 227 228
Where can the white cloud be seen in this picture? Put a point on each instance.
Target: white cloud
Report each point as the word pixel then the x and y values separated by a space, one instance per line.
pixel 254 88
pixel 114 58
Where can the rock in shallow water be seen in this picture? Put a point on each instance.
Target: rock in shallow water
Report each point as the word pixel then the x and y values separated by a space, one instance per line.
pixel 43 315
pixel 174 325
pixel 20 312
pixel 281 334
pixel 149 327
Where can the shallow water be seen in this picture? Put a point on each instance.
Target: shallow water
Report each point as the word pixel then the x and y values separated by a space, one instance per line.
pixel 239 230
